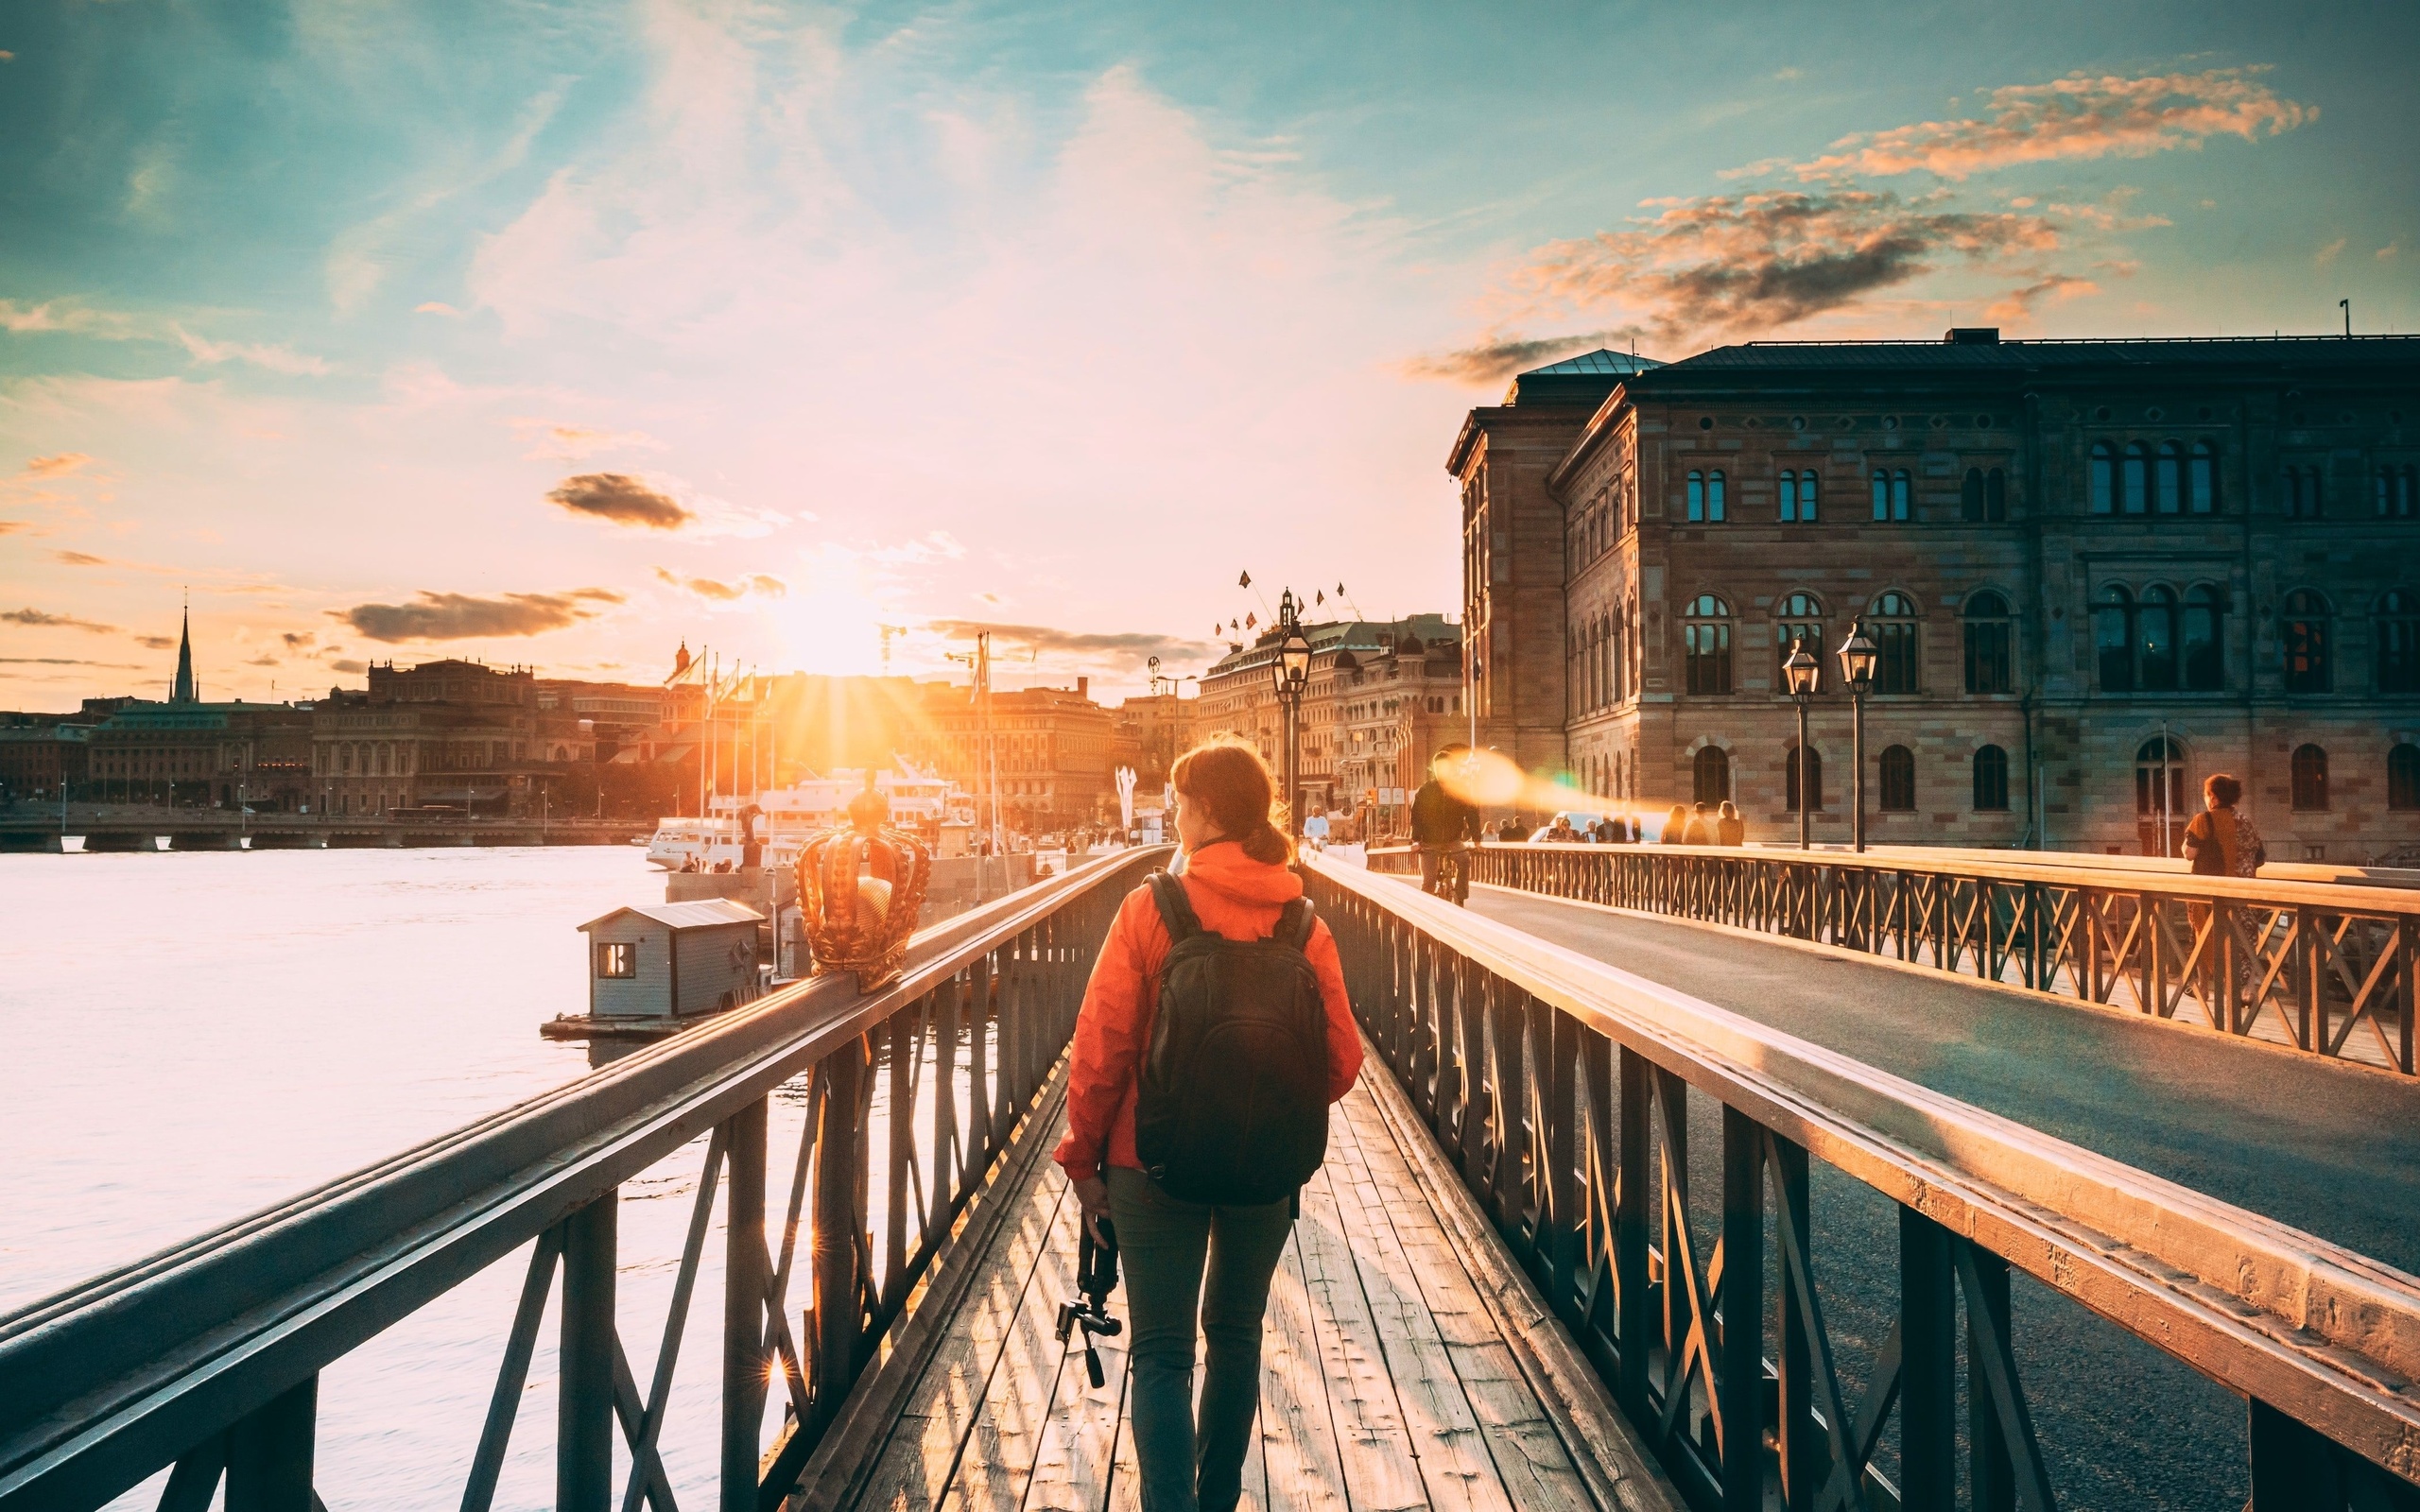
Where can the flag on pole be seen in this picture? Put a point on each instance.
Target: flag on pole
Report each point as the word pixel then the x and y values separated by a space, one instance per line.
pixel 1320 597
pixel 1339 589
pixel 1251 623
pixel 1245 581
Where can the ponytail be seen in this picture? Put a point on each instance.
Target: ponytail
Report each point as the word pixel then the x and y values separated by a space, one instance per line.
pixel 1231 785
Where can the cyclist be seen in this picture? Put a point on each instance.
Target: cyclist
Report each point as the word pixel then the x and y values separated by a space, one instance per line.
pixel 1442 824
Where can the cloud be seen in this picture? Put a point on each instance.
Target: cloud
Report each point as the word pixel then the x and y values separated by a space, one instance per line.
pixel 347 666
pixel 2073 118
pixel 2017 304
pixel 56 465
pixel 622 499
pixel 10 528
pixel 260 354
pixel 297 641
pixel 156 643
pixel 2386 253
pixel 34 617
pixel 2326 255
pixel 79 558
pixel 1501 357
pixel 70 317
pixel 552 441
pixel 65 662
pixel 1126 651
pixel 263 659
pixel 462 617
pixel 721 593
pixel 1757 261
pixel 437 307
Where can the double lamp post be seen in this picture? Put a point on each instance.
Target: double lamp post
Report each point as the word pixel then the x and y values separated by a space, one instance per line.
pixel 1291 673
pixel 1800 670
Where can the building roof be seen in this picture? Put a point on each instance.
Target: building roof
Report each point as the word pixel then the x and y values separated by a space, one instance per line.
pixel 1604 360
pixel 1992 355
pixel 1584 379
pixel 699 915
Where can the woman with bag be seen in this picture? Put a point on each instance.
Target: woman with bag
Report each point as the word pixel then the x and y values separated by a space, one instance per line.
pixel 1237 901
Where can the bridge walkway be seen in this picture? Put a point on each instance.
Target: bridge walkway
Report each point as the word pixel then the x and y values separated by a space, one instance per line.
pixel 2327 1146
pixel 1407 1364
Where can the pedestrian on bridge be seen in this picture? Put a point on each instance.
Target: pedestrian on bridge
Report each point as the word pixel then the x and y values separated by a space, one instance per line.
pixel 1676 826
pixel 1239 911
pixel 1729 828
pixel 1699 827
pixel 2221 842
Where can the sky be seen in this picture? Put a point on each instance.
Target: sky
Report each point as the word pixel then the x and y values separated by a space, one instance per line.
pixel 561 334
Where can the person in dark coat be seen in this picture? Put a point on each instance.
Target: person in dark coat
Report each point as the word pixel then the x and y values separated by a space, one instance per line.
pixel 1676 826
pixel 1700 828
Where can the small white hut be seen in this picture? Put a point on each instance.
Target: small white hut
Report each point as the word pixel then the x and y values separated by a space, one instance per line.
pixel 669 960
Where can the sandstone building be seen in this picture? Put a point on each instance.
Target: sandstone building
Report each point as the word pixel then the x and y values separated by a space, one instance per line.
pixel 2096 571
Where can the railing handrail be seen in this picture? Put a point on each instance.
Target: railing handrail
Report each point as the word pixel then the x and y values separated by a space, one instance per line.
pixel 2264 1308
pixel 136 1364
pixel 2380 899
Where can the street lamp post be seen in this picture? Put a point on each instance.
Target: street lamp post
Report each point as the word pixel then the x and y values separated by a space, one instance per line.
pixel 1858 656
pixel 1291 673
pixel 1800 669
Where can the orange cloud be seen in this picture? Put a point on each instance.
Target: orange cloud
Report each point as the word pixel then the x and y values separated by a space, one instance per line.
pixel 2076 117
pixel 1500 356
pixel 56 465
pixel 1758 261
pixel 721 593
pixel 459 616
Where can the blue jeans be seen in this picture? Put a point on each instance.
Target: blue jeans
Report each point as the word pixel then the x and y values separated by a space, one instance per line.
pixel 1163 1245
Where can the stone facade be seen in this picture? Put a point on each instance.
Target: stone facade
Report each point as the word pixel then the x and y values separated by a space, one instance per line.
pixel 2069 551
pixel 1053 745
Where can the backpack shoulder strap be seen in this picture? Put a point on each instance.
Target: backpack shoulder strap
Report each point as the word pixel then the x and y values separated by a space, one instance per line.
pixel 1176 909
pixel 1294 923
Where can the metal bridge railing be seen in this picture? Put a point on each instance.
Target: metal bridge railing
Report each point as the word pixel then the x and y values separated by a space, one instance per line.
pixel 2328 968
pixel 1562 1090
pixel 207 1356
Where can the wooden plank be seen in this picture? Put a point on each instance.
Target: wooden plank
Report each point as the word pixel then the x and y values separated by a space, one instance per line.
pixel 998 1462
pixel 1297 1428
pixel 1078 1440
pixel 1373 1444
pixel 922 1447
pixel 1617 1473
pixel 1391 1248
pixel 1528 1454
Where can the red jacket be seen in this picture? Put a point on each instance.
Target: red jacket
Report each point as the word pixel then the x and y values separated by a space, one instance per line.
pixel 1233 895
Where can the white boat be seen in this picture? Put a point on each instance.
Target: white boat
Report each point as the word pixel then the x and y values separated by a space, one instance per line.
pixel 794 814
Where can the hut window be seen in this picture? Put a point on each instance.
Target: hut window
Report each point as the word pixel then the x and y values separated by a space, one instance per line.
pixel 617 960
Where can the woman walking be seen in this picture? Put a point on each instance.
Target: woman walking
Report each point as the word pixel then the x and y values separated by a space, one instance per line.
pixel 1238 885
pixel 1676 826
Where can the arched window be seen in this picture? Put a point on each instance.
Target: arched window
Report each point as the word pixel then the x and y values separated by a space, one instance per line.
pixel 1712 775
pixel 1788 494
pixel 1900 493
pixel 1893 625
pixel 1789 777
pixel 2104 478
pixel 2155 641
pixel 2403 776
pixel 2202 480
pixel 1697 496
pixel 2168 473
pixel 2204 649
pixel 1807 497
pixel 2303 628
pixel 2302 493
pixel 2133 480
pixel 1800 619
pixel 1714 495
pixel 1898 771
pixel 2159 778
pixel 1970 495
pixel 2311 777
pixel 1996 496
pixel 2395 492
pixel 1705 645
pixel 1991 781
pixel 2396 635
pixel 2113 639
pixel 1991 667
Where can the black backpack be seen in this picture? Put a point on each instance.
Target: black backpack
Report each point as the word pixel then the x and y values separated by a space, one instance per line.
pixel 1231 1107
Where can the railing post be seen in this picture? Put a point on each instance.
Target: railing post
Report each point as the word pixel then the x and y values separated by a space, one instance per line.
pixel 584 1415
pixel 1743 1387
pixel 1991 1475
pixel 1634 1199
pixel 1804 1454
pixel 838 1232
pixel 1562 1144
pixel 1927 1364
pixel 269 1452
pixel 743 1307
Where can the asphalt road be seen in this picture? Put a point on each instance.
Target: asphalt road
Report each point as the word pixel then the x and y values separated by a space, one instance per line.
pixel 2325 1147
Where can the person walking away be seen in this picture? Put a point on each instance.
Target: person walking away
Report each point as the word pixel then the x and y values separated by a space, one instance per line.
pixel 2221 842
pixel 1182 1253
pixel 1441 821
pixel 1729 828
pixel 1699 827
pixel 1676 826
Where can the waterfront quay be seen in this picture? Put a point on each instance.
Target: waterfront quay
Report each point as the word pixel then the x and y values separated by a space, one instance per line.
pixel 146 827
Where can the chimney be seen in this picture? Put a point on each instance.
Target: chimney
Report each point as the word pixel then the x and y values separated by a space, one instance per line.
pixel 1083 687
pixel 1972 336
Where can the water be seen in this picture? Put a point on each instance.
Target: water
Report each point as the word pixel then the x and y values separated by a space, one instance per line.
pixel 191 1037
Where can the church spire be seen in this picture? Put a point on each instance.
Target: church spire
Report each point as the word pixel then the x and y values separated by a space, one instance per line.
pixel 184 690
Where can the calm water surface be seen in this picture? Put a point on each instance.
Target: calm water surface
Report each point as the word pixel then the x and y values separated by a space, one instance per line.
pixel 191 1037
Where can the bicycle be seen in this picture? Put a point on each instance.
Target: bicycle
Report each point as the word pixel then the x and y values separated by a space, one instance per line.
pixel 1451 878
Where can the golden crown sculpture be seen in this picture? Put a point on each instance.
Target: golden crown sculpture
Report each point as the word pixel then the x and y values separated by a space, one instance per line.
pixel 860 890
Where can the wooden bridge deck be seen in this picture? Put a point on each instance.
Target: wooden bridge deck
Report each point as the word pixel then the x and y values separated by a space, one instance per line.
pixel 1406 1364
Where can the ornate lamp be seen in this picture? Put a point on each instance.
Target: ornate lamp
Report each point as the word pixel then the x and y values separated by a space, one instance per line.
pixel 860 889
pixel 1799 670
pixel 1857 657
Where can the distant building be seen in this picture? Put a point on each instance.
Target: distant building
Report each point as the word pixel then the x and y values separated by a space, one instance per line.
pixel 1358 682
pixel 1053 747
pixel 192 753
pixel 1147 734
pixel 42 757
pixel 2096 572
